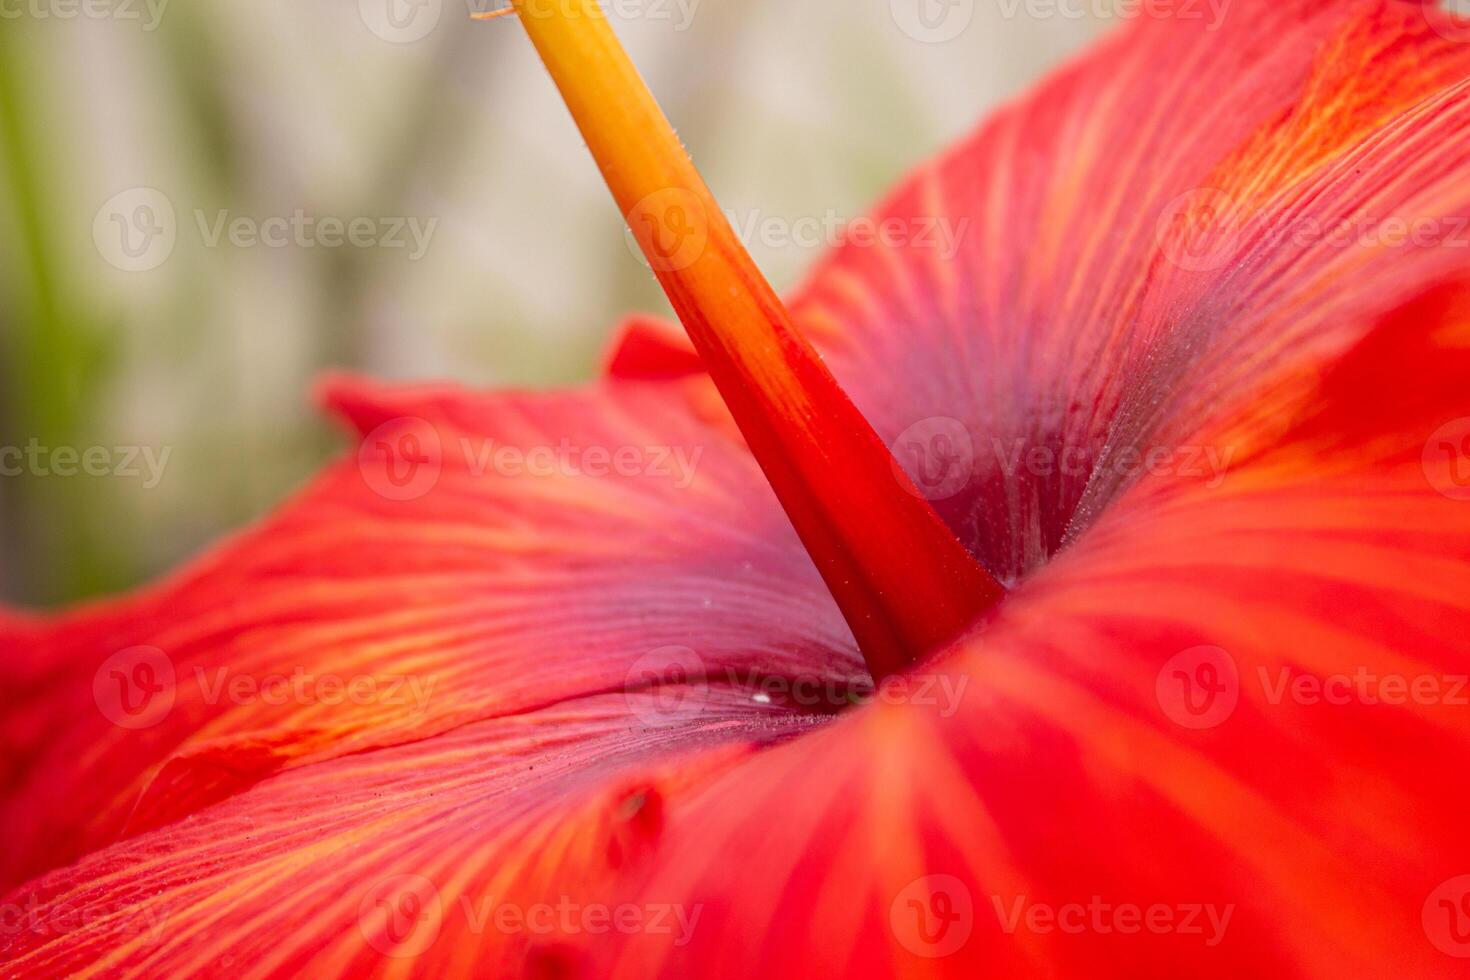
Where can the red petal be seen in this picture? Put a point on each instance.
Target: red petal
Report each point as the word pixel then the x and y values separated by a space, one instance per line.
pixel 1312 794
pixel 489 580
pixel 645 348
pixel 1331 832
pixel 1070 318
pixel 399 858
pixel 1047 799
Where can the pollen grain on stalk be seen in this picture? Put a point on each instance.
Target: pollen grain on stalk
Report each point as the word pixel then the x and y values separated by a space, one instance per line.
pixel 904 583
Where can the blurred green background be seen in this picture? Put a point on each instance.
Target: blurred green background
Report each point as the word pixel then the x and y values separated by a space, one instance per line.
pixel 148 121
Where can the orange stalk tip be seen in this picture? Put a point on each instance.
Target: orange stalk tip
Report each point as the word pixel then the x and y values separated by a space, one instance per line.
pixel 491 14
pixel 903 581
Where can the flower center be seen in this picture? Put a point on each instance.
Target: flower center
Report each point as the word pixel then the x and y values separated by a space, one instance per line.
pixel 902 579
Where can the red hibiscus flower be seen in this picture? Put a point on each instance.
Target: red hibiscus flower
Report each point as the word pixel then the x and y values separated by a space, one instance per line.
pixel 1150 661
